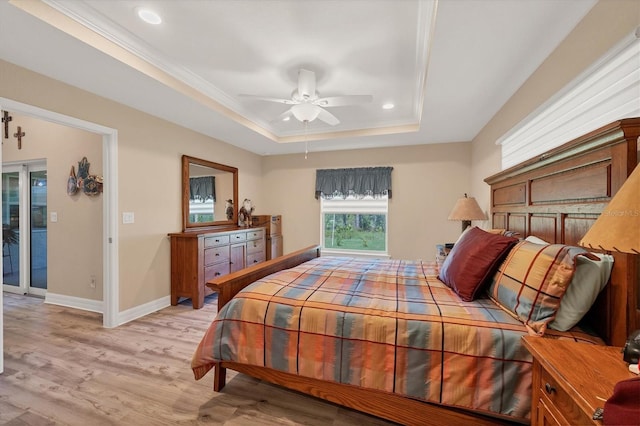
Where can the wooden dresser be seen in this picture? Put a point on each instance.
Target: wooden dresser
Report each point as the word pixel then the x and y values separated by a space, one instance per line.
pixel 571 380
pixel 198 256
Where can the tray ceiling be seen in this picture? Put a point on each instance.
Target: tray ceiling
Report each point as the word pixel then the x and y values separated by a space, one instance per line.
pixel 447 66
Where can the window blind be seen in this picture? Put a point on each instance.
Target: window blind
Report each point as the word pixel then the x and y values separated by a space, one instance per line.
pixel 607 91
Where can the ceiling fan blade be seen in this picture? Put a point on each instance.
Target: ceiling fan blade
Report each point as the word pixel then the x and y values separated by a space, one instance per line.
pixel 283 117
pixel 268 99
pixel 306 84
pixel 343 100
pixel 327 117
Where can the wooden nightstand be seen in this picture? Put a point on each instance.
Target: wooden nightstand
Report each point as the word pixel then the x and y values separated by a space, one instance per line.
pixel 442 250
pixel 570 380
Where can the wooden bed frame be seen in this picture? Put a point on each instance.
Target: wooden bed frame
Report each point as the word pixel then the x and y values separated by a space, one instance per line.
pixel 556 197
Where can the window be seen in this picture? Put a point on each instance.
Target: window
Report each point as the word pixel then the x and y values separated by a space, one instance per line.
pixel 354 225
pixel 353 209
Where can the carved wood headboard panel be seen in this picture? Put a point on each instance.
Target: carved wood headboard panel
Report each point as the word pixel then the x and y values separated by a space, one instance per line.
pixel 559 195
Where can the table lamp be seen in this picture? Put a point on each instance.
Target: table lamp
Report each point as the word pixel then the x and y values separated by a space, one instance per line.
pixel 618 227
pixel 466 209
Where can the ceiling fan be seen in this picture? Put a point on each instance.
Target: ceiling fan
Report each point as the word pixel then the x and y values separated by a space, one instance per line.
pixel 306 103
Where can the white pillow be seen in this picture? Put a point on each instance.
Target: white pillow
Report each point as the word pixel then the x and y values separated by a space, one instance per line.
pixel 535 240
pixel 590 278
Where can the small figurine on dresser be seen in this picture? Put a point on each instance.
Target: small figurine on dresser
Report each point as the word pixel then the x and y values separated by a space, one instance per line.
pixel 244 214
pixel 229 209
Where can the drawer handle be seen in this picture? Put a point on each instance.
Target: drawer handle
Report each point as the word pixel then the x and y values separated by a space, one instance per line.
pixel 217 254
pixel 217 241
pixel 550 389
pixel 255 261
pixel 217 274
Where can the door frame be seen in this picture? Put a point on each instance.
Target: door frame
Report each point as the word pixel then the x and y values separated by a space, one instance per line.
pixel 110 274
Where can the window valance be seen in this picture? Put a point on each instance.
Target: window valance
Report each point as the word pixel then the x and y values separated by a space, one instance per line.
pixel 202 188
pixel 359 182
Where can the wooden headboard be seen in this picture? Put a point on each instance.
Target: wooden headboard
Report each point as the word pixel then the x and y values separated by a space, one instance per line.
pixel 559 195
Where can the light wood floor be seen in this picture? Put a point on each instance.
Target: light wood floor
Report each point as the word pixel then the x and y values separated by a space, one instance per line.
pixel 62 367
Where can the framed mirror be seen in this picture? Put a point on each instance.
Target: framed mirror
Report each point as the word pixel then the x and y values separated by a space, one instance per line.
pixel 206 189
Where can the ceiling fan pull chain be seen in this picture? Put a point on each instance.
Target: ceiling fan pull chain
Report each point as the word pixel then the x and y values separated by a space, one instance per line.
pixel 306 142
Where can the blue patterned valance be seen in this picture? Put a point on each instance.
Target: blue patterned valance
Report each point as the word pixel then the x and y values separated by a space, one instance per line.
pixel 358 182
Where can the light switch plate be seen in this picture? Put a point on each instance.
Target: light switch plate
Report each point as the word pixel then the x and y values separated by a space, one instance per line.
pixel 53 216
pixel 128 217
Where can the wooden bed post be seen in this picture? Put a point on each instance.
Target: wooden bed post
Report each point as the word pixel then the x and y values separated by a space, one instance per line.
pixel 219 377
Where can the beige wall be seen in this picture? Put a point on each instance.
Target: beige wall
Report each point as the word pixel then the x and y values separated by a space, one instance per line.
pixel 74 243
pixel 427 180
pixel 602 28
pixel 149 172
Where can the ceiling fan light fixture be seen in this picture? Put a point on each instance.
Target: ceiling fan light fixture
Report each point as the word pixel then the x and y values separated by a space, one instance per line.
pixel 305 112
pixel 306 103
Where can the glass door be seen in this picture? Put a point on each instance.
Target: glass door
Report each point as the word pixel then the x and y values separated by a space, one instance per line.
pixel 38 229
pixel 24 228
pixel 11 229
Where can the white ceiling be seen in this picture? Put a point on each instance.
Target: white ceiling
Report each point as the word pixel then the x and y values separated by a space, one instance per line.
pixel 448 66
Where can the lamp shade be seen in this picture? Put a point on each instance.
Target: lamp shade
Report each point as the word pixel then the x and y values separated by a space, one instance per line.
pixel 618 227
pixel 466 209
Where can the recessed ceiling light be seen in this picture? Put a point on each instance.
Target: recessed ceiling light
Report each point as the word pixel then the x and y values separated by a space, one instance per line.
pixel 388 106
pixel 149 16
pixel 286 118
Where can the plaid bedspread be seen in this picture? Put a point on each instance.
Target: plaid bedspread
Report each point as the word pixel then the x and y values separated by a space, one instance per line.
pixel 389 325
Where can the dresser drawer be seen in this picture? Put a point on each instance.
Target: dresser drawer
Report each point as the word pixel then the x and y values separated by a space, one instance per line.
pixel 238 237
pixel 216 255
pixel 254 235
pixel 216 270
pixel 254 258
pixel 557 399
pixel 216 240
pixel 255 246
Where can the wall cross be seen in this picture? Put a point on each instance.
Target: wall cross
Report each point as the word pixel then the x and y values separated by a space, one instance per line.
pixel 19 135
pixel 6 118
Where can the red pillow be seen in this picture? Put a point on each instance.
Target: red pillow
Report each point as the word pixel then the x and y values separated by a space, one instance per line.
pixel 622 407
pixel 473 260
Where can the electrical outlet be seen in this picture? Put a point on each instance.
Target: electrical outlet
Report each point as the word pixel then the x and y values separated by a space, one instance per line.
pixel 92 282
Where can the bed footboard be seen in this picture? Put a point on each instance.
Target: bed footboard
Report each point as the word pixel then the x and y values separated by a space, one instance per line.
pixel 229 285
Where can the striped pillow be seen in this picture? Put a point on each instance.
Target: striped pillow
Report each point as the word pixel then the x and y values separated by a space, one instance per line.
pixel 532 280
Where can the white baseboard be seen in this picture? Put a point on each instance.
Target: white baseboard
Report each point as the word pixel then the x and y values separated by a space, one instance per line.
pixel 74 302
pixel 98 306
pixel 142 310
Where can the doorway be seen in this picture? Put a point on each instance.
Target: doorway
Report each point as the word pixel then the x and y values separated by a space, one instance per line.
pixel 110 206
pixel 24 228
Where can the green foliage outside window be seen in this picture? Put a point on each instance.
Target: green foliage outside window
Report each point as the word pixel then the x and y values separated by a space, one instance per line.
pixel 352 231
